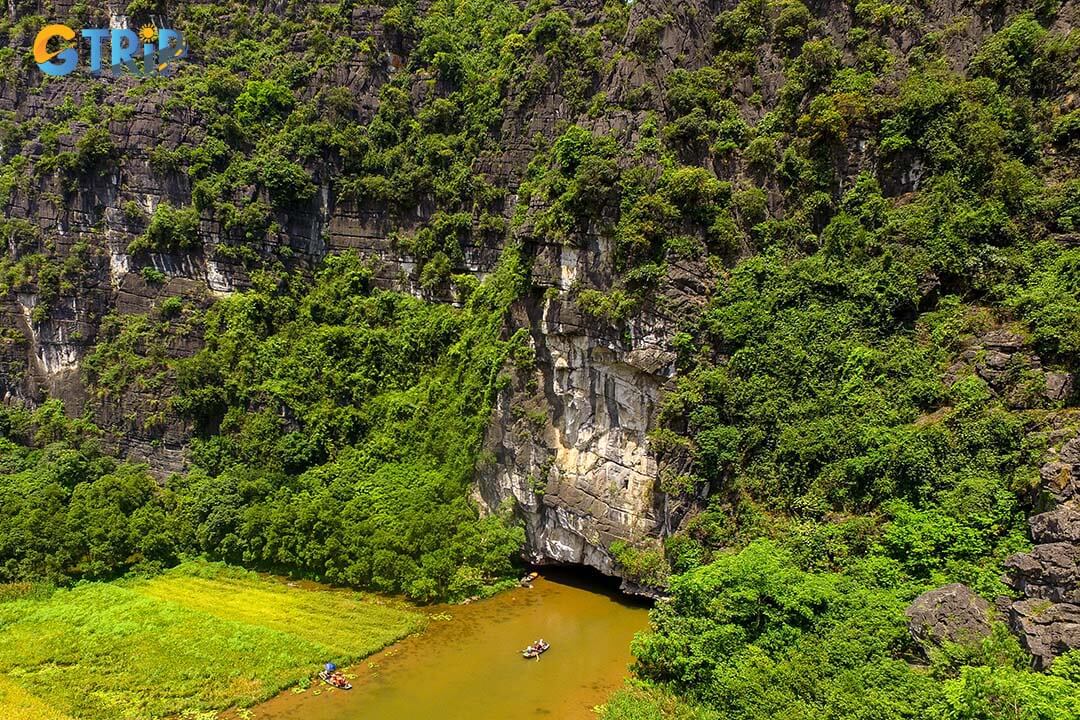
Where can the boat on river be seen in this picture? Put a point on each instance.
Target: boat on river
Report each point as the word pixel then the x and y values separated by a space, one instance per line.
pixel 330 675
pixel 537 649
pixel 335 679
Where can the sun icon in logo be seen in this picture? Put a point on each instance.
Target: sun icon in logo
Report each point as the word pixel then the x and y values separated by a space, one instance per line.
pixel 148 33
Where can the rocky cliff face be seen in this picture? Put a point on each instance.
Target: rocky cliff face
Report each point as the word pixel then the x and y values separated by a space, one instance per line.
pixel 1047 617
pixel 575 460
pixel 578 466
pixel 568 443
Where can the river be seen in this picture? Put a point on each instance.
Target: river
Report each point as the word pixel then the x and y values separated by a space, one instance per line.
pixel 467 665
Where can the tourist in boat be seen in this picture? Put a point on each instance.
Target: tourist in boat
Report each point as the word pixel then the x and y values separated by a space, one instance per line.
pixel 535 649
pixel 331 676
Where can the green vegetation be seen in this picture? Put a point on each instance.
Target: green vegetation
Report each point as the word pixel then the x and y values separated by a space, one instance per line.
pixel 347 423
pixel 66 509
pixel 276 127
pixel 752 635
pixel 845 476
pixel 200 637
pixel 169 229
pixel 338 428
pixel 644 701
pixel 21 705
pixel 854 216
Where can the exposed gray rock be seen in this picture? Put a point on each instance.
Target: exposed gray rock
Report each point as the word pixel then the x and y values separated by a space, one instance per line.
pixel 951 613
pixel 1060 475
pixel 1058 385
pixel 1047 620
pixel 1049 571
pixel 651 360
pixel 1002 339
pixel 631 587
pixel 1046 629
pixel 570 447
pixel 1059 525
pixel 994 360
pixel 1012 370
pixel 1070 452
pixel 1058 480
pixel 568 440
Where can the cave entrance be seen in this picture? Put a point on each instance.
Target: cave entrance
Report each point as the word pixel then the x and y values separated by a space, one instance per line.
pixel 588 578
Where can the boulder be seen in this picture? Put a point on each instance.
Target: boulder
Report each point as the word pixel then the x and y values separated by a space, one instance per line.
pixel 952 613
pixel 1058 480
pixel 652 360
pixel 1002 339
pixel 1060 474
pixel 994 362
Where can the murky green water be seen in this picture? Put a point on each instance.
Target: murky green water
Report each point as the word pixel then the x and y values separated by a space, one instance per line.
pixel 470 667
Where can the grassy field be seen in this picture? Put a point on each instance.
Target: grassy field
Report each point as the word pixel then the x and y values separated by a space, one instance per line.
pixel 201 637
pixel 638 702
pixel 17 704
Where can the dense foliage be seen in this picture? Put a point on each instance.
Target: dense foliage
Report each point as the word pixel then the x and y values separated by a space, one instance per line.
pixel 849 464
pixel 752 635
pixel 342 425
pixel 347 422
pixel 67 509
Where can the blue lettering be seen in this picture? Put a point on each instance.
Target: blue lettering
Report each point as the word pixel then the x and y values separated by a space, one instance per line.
pixel 96 36
pixel 125 43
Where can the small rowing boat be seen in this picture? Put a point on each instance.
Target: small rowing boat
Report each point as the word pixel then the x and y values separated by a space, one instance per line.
pixel 535 650
pixel 335 679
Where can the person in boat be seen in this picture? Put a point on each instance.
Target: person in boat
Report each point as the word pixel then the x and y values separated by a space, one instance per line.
pixel 536 649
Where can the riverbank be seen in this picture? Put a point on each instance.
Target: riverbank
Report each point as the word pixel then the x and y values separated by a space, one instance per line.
pixel 201 637
pixel 467 666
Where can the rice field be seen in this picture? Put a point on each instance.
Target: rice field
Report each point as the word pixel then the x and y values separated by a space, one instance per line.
pixel 199 638
pixel 17 704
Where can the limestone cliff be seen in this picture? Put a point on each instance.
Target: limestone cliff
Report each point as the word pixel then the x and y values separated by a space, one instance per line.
pixel 568 443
